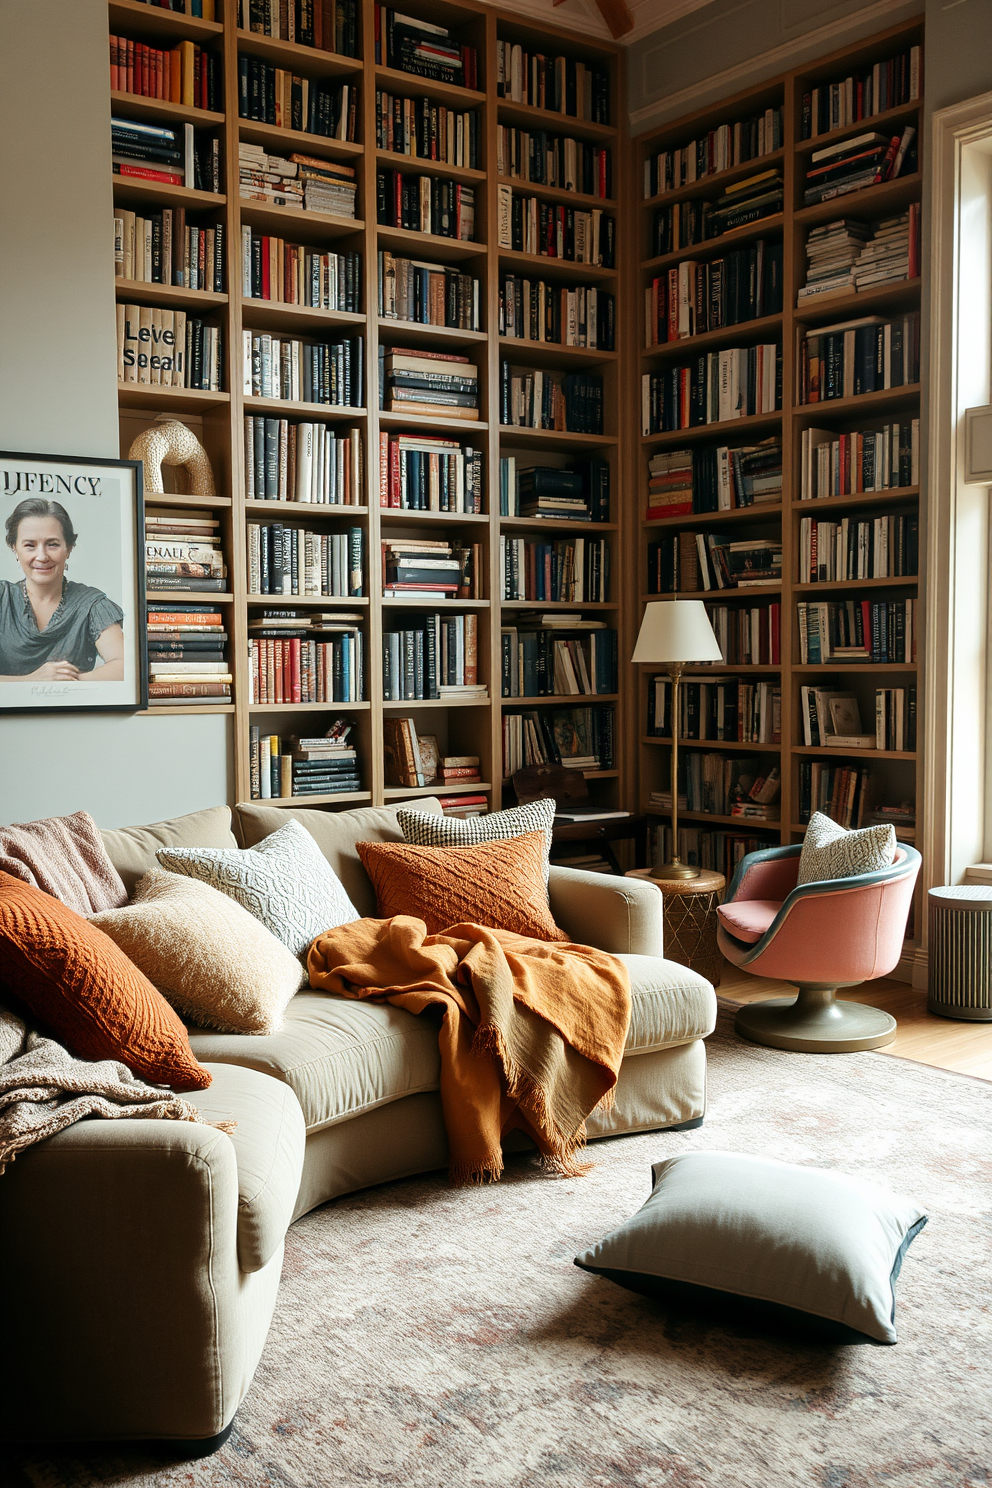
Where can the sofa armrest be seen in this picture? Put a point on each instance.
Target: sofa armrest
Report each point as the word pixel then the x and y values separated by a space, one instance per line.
pixel 619 915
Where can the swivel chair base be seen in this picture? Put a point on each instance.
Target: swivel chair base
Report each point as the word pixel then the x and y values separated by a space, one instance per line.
pixel 815 1022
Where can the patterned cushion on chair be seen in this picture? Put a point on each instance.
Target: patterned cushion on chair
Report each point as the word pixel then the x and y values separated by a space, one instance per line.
pixel 830 852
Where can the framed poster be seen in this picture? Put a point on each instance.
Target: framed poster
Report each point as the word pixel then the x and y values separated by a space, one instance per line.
pixel 72 584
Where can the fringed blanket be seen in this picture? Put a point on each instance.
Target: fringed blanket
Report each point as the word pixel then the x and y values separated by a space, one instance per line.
pixel 44 1089
pixel 532 1035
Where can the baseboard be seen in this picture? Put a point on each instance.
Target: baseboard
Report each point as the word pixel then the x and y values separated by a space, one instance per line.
pixel 921 970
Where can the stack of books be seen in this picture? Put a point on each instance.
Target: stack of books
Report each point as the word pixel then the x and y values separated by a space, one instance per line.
pixel 323 765
pixel 425 204
pixel 866 160
pixel 832 251
pixel 714 478
pixel 186 660
pixel 183 551
pixel 746 201
pixel 290 560
pixel 422 472
pixel 303 182
pixel 329 25
pixel 718 785
pixel 670 484
pixel 176 157
pixel 428 382
pixel 185 74
pixel 433 656
pixel 430 568
pixel 749 563
pixel 291 274
pixel 317 464
pixel 533 399
pixel 847 256
pixel 730 712
pixel 314 657
pixel 464 807
pixel 424 49
pixel 271 95
pixel 902 817
pixel 427 130
pixel 161 249
pixel 456 771
pixel 553 493
pixel 519 490
pixel 893 253
pixel 427 293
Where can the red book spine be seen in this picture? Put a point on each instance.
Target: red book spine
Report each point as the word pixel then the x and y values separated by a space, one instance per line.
pixel 395 481
pixel 776 634
pixel 129 80
pixel 114 52
pixel 295 678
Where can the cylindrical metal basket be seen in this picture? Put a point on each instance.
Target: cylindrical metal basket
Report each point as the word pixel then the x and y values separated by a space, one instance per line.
pixel 960 952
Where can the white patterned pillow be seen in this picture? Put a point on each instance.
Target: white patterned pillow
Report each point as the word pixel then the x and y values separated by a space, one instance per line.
pixel 285 881
pixel 831 852
pixel 427 829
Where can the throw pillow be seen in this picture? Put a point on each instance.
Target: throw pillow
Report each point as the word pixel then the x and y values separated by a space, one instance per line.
pixel 496 884
pixel 68 974
pixel 64 856
pixel 286 882
pixel 210 958
pixel 427 829
pixel 831 852
pixel 794 1245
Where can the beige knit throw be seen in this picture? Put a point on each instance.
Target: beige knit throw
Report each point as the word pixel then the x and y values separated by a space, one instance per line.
pixel 44 1089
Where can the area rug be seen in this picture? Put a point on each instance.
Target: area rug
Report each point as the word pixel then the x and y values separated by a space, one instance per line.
pixel 430 1336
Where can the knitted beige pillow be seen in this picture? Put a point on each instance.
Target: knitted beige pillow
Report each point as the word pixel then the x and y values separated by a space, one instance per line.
pixel 216 963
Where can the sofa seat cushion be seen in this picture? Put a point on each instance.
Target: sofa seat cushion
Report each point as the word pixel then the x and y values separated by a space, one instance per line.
pixel 748 919
pixel 339 1057
pixel 269 1142
pixel 669 1004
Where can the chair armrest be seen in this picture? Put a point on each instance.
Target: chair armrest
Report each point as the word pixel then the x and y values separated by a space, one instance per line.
pixel 769 874
pixel 619 915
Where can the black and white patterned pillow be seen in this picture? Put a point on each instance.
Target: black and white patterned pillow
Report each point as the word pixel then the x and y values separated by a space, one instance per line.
pixel 831 852
pixel 427 829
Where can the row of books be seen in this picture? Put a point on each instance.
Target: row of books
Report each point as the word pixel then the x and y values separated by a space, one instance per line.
pixel 714 478
pixel 301 181
pixel 842 792
pixel 325 765
pixel 328 25
pixel 432 657
pixel 847 256
pixel 303 665
pixel 865 355
pixel 579 494
pixel 727 712
pixel 574 570
pixel 175 157
pixel 534 310
pixel 557 657
pixel 725 785
pixel 428 293
pixel 748 635
pixel 857 631
pixel 864 460
pixel 713 388
pixel 430 568
pixel 702 847
pixel 163 249
pixel 720 149
pixel 424 49
pixel 186 651
pixel 579 738
pixel 425 204
pixel 274 95
pixel 182 545
pixel 684 224
pixel 853 164
pixel 427 130
pixel 873 90
pixel 167 348
pixel 186 73
pixel 831 717
pixel 294 274
pixel 560 84
pixel 445 384
pixel 428 473
pixel 883 547
pixel 534 399
pixel 414 760
pixel 300 461
pixel 695 297
pixel 291 560
pixel 525 224
pixel 329 372
pixel 687 562
pixel 554 160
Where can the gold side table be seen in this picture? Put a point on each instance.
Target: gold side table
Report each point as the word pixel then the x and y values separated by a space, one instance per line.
pixel 690 920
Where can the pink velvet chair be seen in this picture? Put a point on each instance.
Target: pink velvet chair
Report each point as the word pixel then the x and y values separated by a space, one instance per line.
pixel 820 936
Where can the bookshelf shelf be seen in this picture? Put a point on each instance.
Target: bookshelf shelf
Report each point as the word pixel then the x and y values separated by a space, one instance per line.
pixel 172 295
pixel 297 319
pixel 421 166
pixel 904 114
pixel 559 604
pixel 737 514
pixel 716 247
pixel 540 266
pixel 428 245
pixel 181 596
pixel 409 85
pixel 408 703
pixel 525 116
pixel 414 331
pixel 908 581
pixel 719 433
pixel 855 668
pixel 170 498
pixel 558 524
pixel 551 353
pixel 864 403
pixel 340 798
pixel 278 140
pixel 717 746
pixel 898 494
pixel 559 194
pixel 307 508
pixel 773 591
pixel 160 109
pixel 870 201
pixel 717 181
pixel 306 601
pixel 578 700
pixel 877 299
pixel 747 330
pixel 426 602
pixel 423 421
pixel 450 519
pixel 185 712
pixel 828 753
pixel 519 434
pixel 292 222
pixel 288 407
pixel 742 823
pixel 439 788
pixel 134 16
pixel 131 190
pixel 311 61
pixel 254 708
pixel 169 399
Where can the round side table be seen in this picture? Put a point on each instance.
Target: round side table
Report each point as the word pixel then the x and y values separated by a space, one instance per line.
pixel 690 920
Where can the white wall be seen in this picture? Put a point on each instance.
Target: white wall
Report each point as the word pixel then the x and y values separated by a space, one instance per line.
pixel 58 395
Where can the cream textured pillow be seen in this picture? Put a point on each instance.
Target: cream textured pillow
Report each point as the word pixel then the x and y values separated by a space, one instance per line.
pixel 210 958
pixel 286 882
pixel 427 829
pixel 830 852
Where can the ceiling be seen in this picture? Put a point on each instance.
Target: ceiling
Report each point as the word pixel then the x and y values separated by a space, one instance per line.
pixel 583 15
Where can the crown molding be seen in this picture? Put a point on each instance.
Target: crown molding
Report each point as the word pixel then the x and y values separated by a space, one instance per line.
pixel 583 15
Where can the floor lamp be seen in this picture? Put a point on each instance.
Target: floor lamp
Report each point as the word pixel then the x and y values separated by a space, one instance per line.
pixel 673 634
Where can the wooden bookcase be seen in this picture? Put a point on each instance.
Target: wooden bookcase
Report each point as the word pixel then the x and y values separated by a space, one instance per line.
pixel 462 727
pixel 895 777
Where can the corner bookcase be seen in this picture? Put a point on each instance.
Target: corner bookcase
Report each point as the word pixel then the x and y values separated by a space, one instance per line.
pixel 468 726
pixel 718 840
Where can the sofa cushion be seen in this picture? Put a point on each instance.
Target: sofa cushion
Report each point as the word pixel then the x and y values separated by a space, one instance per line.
pixel 428 829
pixel 269 1142
pixel 335 833
pixel 748 919
pixel 132 849
pixel 339 1057
pixel 669 1004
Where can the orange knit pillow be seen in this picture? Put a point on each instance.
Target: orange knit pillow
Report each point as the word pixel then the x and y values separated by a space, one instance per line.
pixel 75 980
pixel 496 884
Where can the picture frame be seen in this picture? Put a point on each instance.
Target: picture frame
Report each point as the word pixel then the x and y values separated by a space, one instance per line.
pixel 72 571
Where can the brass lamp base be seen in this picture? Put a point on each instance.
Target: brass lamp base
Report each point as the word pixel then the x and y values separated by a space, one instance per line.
pixel 675 870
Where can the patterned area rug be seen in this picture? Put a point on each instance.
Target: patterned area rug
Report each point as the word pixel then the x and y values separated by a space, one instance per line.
pixel 425 1336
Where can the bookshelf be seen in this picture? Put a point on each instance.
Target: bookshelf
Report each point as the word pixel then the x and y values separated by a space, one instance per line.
pixel 463 726
pixel 893 774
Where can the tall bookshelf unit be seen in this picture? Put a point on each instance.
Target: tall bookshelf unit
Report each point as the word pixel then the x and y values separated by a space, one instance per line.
pixel 894 775
pixel 462 727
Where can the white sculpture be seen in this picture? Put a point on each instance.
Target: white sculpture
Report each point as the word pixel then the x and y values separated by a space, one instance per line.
pixel 168 442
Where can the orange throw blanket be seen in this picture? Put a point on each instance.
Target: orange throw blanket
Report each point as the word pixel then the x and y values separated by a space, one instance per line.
pixel 532 1035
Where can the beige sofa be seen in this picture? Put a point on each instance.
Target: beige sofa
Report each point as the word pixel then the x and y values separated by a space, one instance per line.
pixel 147 1254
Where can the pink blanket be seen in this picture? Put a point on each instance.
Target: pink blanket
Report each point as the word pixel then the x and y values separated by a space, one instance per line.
pixel 65 857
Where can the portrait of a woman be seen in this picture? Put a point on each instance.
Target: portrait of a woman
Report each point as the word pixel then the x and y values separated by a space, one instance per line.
pixel 53 629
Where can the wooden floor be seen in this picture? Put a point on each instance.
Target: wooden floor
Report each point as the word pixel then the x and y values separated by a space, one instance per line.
pixel 944 1042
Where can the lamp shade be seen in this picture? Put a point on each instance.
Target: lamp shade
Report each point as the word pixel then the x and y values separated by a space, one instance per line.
pixel 676 630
